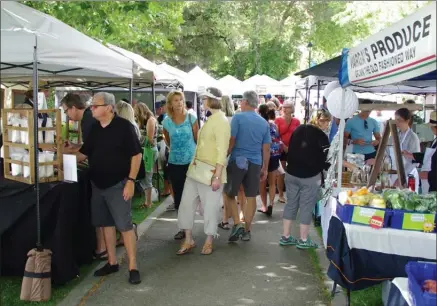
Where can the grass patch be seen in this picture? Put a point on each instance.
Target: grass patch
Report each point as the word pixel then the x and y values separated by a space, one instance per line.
pixel 368 297
pixel 10 287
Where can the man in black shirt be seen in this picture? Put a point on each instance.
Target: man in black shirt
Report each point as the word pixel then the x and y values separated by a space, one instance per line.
pixel 75 108
pixel 114 155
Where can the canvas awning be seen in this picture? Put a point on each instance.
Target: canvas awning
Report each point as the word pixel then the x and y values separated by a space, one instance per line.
pixel 230 85
pixel 64 54
pixel 405 51
pixel 148 69
pixel 262 84
pixel 198 80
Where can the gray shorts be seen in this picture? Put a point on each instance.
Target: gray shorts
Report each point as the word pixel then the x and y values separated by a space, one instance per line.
pixel 302 196
pixel 108 208
pixel 250 179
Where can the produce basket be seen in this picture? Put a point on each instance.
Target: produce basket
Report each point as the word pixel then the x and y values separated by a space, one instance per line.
pixel 418 273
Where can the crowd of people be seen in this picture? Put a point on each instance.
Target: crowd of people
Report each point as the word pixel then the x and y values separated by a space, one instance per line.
pixel 216 168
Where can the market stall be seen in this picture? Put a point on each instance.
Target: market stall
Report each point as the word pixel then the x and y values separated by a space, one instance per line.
pixel 371 233
pixel 40 51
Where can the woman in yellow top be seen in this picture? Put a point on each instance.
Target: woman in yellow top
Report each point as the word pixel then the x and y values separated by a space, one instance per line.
pixel 212 148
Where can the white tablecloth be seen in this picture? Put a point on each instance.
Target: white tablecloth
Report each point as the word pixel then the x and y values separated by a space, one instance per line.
pixel 384 240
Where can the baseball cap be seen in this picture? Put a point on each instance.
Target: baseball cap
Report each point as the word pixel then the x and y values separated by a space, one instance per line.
pixel 268 96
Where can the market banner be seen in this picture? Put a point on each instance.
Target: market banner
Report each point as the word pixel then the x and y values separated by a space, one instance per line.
pixel 401 52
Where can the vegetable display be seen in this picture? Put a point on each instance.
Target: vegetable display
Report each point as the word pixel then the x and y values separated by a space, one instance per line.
pixel 408 200
pixel 391 198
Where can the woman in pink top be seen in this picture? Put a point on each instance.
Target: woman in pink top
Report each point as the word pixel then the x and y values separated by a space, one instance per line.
pixel 286 125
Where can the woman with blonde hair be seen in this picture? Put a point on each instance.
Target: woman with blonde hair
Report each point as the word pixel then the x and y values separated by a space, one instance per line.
pixel 206 174
pixel 180 132
pixel 321 118
pixel 125 110
pixel 147 124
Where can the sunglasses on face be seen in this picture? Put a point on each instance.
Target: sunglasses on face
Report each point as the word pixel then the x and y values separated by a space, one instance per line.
pixel 97 105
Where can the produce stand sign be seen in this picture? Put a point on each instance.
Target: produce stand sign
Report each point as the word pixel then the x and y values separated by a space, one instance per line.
pixel 365 216
pixel 416 222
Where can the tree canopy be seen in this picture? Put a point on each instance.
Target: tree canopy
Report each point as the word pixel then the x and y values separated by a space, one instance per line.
pixel 241 38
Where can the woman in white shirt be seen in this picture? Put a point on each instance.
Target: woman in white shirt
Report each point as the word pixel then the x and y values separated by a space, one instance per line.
pixel 409 141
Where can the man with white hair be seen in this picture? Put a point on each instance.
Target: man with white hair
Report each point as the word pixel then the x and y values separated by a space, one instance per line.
pixel 114 154
pixel 250 153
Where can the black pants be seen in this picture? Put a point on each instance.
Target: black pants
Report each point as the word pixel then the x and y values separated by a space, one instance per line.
pixel 178 174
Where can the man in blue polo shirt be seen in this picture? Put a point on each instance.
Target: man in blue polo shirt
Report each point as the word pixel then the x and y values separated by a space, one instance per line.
pixel 362 130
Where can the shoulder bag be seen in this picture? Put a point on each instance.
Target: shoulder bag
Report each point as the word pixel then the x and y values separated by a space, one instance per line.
pixel 198 170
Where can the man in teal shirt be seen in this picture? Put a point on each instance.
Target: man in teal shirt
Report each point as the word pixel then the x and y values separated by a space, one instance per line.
pixel 361 128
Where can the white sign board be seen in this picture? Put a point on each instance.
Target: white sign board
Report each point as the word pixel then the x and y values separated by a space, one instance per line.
pixel 403 51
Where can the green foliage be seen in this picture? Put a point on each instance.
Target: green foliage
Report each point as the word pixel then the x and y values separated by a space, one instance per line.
pixel 241 38
pixel 142 27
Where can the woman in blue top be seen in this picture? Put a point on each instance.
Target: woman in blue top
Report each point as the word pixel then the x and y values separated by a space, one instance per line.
pixel 180 132
pixel 276 148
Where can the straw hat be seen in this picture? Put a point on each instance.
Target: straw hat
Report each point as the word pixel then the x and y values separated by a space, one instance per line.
pixel 433 118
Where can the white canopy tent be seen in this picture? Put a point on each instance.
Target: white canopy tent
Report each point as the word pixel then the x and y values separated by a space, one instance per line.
pixel 64 54
pixel 230 85
pixel 198 80
pixel 151 69
pixel 289 85
pixel 262 84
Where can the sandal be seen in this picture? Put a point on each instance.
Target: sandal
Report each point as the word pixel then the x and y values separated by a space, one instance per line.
pixel 101 256
pixel 185 248
pixel 145 206
pixel 281 200
pixel 269 211
pixel 224 225
pixel 207 249
pixel 261 211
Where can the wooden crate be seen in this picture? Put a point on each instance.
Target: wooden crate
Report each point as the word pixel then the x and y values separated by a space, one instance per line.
pixel 7 144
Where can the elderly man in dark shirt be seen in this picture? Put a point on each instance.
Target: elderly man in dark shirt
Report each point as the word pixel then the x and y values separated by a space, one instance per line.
pixel 114 154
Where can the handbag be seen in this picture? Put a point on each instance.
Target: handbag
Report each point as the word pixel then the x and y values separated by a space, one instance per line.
pixel 200 171
pixel 148 156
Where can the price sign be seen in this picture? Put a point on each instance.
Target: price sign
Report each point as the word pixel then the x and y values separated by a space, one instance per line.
pixel 417 222
pixel 368 216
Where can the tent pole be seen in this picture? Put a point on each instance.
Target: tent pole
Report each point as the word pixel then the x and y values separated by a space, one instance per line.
pixel 131 96
pixel 196 98
pixel 35 148
pixel 318 93
pixel 153 97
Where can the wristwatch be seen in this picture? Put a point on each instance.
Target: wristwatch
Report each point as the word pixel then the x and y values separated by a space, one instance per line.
pixel 131 179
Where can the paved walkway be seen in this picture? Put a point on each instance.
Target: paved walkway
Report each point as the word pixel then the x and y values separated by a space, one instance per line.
pixel 259 272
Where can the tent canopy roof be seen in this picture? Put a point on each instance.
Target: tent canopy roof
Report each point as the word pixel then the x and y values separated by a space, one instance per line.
pixel 62 51
pixel 200 78
pixel 147 68
pixel 328 71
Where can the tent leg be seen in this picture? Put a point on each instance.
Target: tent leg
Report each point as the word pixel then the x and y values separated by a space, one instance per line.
pixel 196 98
pixel 36 149
pixel 318 93
pixel 131 96
pixel 153 98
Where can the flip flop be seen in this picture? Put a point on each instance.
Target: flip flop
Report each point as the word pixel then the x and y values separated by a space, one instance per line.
pixel 101 256
pixel 262 211
pixel 281 200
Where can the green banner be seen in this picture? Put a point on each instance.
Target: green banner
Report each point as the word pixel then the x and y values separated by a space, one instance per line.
pixel 416 222
pixel 362 215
